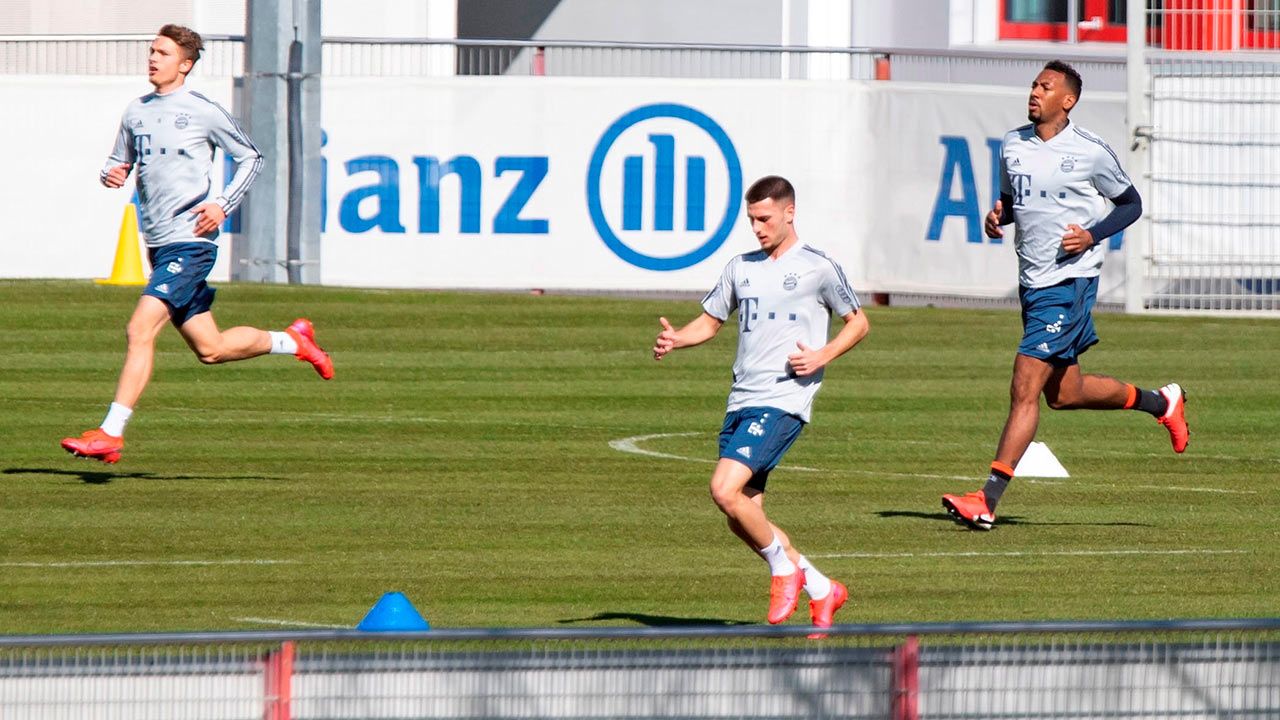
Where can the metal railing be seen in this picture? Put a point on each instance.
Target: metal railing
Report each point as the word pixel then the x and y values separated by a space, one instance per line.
pixel 223 55
pixel 1149 669
pixel 1208 82
pixel 361 57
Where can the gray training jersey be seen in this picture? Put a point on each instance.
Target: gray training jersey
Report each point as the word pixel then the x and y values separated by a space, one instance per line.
pixel 170 141
pixel 779 303
pixel 1065 180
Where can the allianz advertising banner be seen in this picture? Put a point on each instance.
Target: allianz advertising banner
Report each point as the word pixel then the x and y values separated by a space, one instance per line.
pixel 937 157
pixel 589 184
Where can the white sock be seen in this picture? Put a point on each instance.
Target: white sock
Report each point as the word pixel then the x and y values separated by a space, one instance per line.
pixel 117 417
pixel 815 583
pixel 776 556
pixel 282 343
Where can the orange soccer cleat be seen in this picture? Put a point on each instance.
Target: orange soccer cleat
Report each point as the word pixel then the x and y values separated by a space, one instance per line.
pixel 821 611
pixel 95 444
pixel 304 333
pixel 970 509
pixel 784 595
pixel 1174 419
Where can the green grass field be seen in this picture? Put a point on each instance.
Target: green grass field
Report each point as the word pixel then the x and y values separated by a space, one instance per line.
pixel 462 455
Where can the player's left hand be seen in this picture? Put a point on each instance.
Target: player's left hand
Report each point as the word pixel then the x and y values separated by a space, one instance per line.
pixel 666 340
pixel 209 217
pixel 1076 240
pixel 806 362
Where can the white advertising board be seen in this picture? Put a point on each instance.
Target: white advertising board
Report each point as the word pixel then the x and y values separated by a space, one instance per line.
pixel 56 219
pixel 587 184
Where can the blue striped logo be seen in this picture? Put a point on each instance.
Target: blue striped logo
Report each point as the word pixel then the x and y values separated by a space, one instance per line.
pixel 666 171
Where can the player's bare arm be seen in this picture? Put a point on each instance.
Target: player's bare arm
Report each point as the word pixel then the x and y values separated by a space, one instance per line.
pixel 1076 239
pixel 1127 208
pixel 117 175
pixel 209 217
pixel 701 329
pixel 808 361
pixel 999 216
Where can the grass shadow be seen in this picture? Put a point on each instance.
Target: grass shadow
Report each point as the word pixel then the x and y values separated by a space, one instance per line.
pixel 657 620
pixel 102 477
pixel 1001 520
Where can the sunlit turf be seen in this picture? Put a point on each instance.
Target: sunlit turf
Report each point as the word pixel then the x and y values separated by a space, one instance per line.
pixel 462 456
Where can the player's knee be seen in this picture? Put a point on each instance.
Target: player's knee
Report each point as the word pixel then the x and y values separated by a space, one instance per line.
pixel 211 356
pixel 724 496
pixel 137 334
pixel 1023 396
pixel 1062 401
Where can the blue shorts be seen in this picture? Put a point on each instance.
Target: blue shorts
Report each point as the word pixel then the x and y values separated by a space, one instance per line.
pixel 178 273
pixel 1057 321
pixel 758 437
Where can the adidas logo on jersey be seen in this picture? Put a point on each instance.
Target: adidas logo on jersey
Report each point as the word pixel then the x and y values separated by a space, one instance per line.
pixel 1043 347
pixel 163 288
pixel 745 452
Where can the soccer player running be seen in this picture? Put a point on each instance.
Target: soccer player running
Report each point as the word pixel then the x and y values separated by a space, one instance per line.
pixel 784 293
pixel 169 135
pixel 1055 179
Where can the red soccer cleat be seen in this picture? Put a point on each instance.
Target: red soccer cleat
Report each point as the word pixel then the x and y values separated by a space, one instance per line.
pixel 821 611
pixel 970 509
pixel 784 595
pixel 95 444
pixel 1174 420
pixel 304 334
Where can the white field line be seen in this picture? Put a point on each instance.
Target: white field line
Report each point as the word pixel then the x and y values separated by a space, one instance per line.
pixel 1119 486
pixel 291 623
pixel 1026 553
pixel 632 445
pixel 141 563
pixel 244 416
pixel 1189 456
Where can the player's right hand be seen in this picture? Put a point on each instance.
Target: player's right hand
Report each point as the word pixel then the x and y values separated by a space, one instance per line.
pixel 116 176
pixel 666 341
pixel 993 221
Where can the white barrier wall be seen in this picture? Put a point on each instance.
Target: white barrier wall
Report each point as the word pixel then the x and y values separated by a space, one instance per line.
pixel 938 150
pixel 56 219
pixel 577 183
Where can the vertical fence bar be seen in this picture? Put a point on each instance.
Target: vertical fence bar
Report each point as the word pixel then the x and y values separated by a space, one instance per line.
pixel 1138 115
pixel 906 679
pixel 278 677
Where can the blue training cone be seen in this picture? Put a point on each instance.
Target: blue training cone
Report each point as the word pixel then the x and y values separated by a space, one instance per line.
pixel 393 612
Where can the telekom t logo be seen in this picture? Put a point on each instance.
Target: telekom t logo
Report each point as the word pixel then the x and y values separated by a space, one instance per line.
pixel 664 183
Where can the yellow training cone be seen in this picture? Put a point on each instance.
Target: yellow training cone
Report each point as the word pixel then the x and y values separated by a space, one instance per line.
pixel 127 269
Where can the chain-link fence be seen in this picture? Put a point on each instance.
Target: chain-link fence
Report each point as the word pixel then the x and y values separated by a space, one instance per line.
pixel 1192 669
pixel 1210 83
pixel 400 57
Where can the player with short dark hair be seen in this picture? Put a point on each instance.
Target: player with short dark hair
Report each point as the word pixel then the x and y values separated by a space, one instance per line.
pixel 185 38
pixel 1055 181
pixel 784 294
pixel 169 135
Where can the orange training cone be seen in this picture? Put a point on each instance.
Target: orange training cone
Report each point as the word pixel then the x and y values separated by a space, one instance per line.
pixel 127 269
